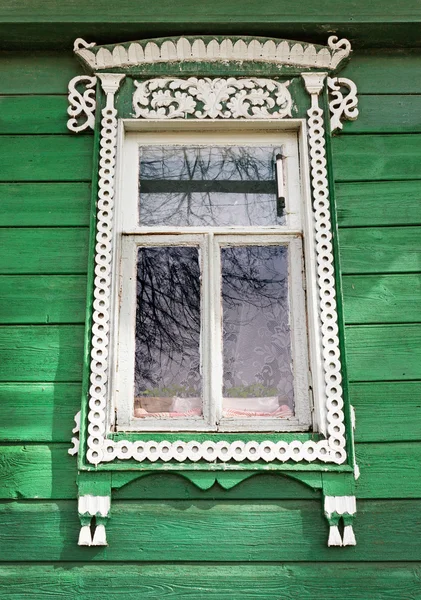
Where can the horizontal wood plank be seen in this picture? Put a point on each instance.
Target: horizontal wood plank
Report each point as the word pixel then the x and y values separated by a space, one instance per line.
pixel 376 157
pixel 41 353
pixel 37 299
pixel 45 72
pixel 43 412
pixel 387 411
pixel 201 531
pixel 49 472
pixel 312 581
pixel 33 114
pixel 390 470
pixel 43 250
pixel 38 412
pixel 37 472
pixel 48 11
pixel 46 158
pixel 383 352
pixel 382 298
pixel 385 71
pixel 380 250
pixel 44 204
pixel 386 114
pixel 378 203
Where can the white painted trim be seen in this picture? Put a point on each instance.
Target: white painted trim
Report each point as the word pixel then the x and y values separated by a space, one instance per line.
pixel 341 505
pixel 325 270
pixel 207 49
pixel 101 449
pixel 82 105
pixel 212 98
pixel 342 107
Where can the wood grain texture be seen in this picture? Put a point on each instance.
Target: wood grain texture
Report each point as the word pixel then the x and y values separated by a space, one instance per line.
pixel 39 72
pixel 383 352
pixel 46 158
pixel 385 71
pixel 386 114
pixel 376 157
pixel 37 472
pixel 44 11
pixel 283 530
pixel 43 412
pixel 33 114
pixel 382 298
pixel 390 470
pixel 43 250
pixel 378 203
pixel 44 204
pixel 38 412
pixel 41 353
pixel 40 299
pixel 312 581
pixel 380 250
pixel 41 471
pixel 387 411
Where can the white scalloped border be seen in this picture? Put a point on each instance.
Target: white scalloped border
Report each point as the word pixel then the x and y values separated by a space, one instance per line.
pixel 280 52
pixel 101 449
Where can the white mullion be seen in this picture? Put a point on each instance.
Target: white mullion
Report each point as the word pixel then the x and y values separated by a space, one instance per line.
pixel 215 319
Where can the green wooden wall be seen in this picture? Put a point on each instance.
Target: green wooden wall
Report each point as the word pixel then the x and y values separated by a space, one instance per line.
pixel 266 538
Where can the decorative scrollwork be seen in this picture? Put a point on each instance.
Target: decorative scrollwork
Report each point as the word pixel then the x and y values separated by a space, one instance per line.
pixel 81 104
pixel 172 98
pixel 342 107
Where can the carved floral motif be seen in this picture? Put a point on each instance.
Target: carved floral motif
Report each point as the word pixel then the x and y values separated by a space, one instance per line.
pixel 172 98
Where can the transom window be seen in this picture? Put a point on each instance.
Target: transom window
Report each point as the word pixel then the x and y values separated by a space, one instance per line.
pixel 211 331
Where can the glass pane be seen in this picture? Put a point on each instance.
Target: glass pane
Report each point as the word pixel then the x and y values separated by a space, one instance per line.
pixel 209 186
pixel 167 357
pixel 257 379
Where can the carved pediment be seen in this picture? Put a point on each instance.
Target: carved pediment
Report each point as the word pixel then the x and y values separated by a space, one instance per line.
pixel 207 49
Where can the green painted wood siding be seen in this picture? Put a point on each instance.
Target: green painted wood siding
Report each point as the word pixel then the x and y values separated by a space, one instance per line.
pixel 167 538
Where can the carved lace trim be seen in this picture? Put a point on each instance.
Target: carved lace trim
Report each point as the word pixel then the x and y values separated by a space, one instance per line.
pixel 206 49
pixel 101 449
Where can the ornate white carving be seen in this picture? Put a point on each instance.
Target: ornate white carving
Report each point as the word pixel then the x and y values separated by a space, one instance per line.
pixel 336 507
pixel 102 284
pixel 94 505
pixel 88 507
pixel 221 451
pixel 101 449
pixel 342 107
pixel 205 49
pixel 81 104
pixel 75 440
pixel 325 271
pixel 172 98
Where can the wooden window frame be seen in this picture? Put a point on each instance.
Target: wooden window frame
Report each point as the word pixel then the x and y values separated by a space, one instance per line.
pixel 129 236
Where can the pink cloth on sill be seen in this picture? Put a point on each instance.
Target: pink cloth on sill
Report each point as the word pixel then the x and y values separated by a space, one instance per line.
pixel 282 412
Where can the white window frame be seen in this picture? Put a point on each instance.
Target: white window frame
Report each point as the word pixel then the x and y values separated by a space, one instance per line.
pixel 128 236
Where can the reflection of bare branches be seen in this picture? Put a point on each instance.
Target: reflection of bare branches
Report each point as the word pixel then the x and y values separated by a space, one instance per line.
pixel 182 185
pixel 168 303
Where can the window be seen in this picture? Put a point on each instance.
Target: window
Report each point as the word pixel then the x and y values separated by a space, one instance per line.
pixel 211 332
pixel 213 344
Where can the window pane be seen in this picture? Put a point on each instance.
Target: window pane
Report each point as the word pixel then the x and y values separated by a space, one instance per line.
pixel 167 358
pixel 208 186
pixel 257 376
